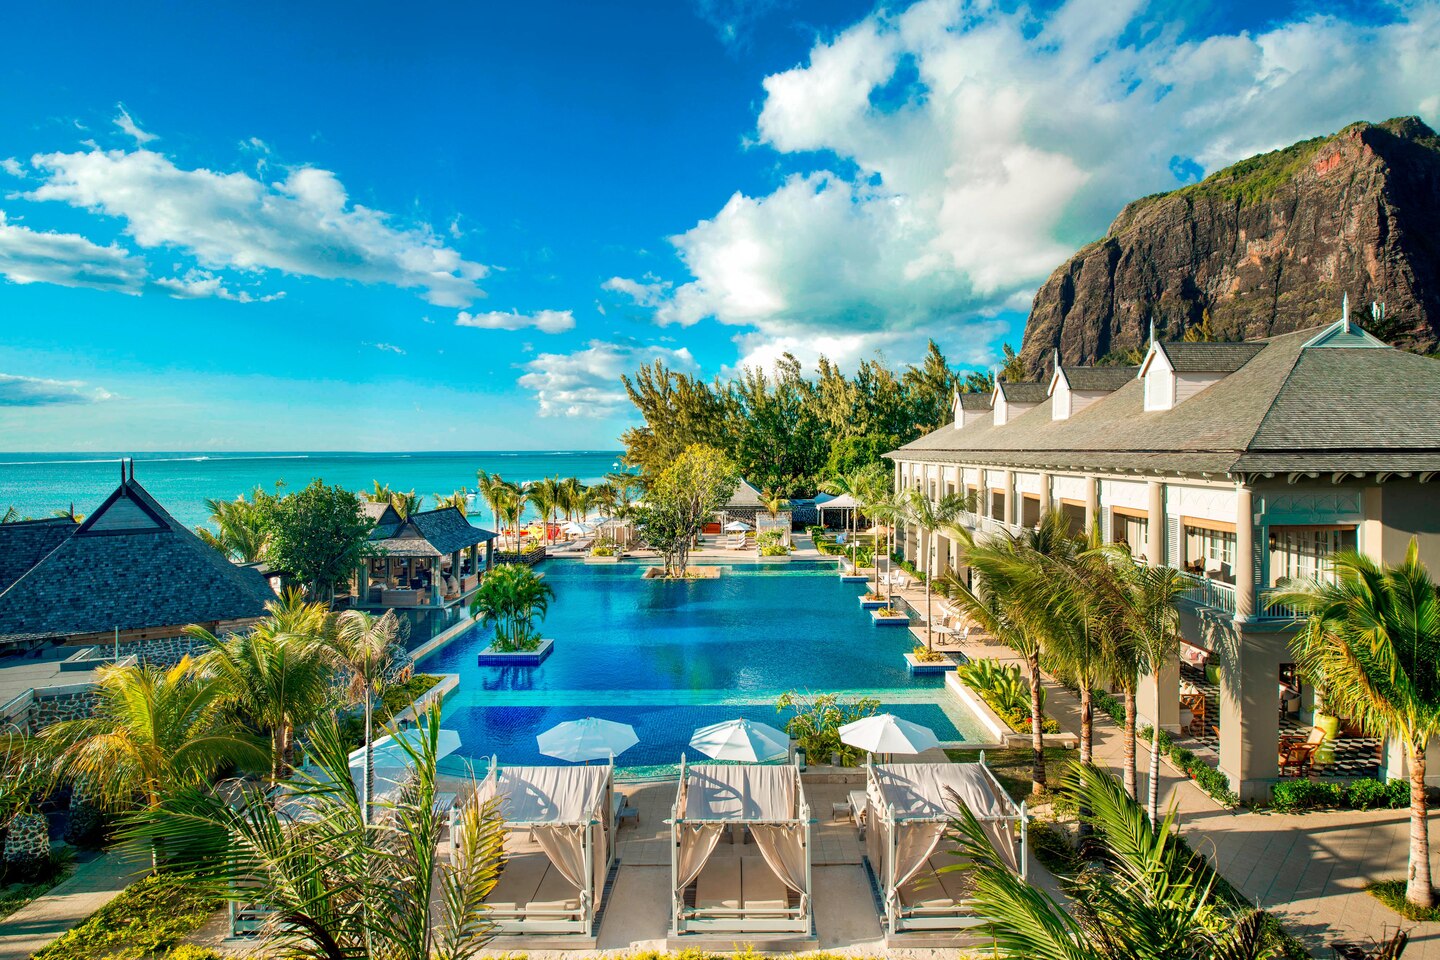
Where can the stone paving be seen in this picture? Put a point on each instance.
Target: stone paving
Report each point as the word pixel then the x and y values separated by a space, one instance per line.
pixel 43 920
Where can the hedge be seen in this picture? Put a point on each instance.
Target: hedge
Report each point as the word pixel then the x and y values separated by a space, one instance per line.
pixel 1206 777
pixel 1297 796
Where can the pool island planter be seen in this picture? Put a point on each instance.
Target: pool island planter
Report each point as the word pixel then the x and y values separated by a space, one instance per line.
pixel 889 619
pixel 691 573
pixel 869 604
pixel 783 558
pixel 594 559
pixel 918 666
pixel 490 657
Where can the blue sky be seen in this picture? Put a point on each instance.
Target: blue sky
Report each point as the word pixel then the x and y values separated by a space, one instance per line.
pixel 324 226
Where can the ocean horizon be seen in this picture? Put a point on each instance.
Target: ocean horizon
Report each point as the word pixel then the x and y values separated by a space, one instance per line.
pixel 37 484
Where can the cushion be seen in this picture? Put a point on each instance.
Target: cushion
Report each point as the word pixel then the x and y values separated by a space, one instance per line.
pixel 518 883
pixel 761 888
pixel 719 884
pixel 555 895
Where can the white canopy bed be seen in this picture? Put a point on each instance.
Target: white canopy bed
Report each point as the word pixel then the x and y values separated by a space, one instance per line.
pixel 740 850
pixel 559 845
pixel 909 807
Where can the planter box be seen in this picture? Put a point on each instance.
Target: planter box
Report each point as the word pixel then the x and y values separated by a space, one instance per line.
pixel 919 666
pixel 529 658
pixel 853 577
pixel 614 559
pixel 889 620
pixel 873 604
pixel 691 573
pixel 785 558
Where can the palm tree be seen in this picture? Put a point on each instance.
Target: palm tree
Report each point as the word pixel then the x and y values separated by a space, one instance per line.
pixel 1150 896
pixel 545 496
pixel 855 485
pixel 995 606
pixel 406 503
pixel 1149 638
pixel 932 516
pixel 513 598
pixel 512 502
pixel 367 650
pixel 340 887
pixel 152 731
pixel 11 515
pixel 1372 640
pixel 380 494
pixel 277 674
pixel 241 525
pixel 572 497
pixel 491 487
pixel 459 500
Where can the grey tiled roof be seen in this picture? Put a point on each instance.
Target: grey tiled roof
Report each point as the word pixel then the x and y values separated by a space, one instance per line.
pixel 1210 357
pixel 1356 409
pixel 1098 378
pixel 24 544
pixel 1024 392
pixel 432 533
pixel 381 512
pixel 975 401
pixel 108 575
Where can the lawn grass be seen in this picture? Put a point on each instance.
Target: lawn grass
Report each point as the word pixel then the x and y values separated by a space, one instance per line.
pixel 1012 766
pixel 1392 894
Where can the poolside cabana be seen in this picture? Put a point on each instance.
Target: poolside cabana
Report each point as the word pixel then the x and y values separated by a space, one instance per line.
pixel 559 845
pixel 909 807
pixel 740 851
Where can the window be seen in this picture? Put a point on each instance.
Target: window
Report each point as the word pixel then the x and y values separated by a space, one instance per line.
pixel 1302 553
pixel 1210 553
pixel 1130 530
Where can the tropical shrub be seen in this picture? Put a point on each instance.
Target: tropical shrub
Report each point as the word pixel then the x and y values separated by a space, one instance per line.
pixel 681 499
pixel 602 550
pixel 816 722
pixel 924 654
pixel 148 918
pixel 1005 689
pixel 1206 777
pixel 515 599
pixel 1298 796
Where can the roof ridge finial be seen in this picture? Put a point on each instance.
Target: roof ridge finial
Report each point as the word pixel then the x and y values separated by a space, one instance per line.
pixel 1345 310
pixel 1152 330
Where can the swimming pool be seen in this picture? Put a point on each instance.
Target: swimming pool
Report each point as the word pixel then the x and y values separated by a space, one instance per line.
pixel 667 657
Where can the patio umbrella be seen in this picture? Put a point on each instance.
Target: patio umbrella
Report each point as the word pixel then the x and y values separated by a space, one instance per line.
pixel 736 526
pixel 388 751
pixel 576 529
pixel 740 740
pixel 587 739
pixel 886 733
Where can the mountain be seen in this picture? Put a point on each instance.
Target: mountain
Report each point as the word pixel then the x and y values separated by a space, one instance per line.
pixel 1265 246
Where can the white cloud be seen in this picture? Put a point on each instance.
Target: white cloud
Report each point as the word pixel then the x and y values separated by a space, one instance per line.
pixel 586 383
pixel 66 259
pixel 734 21
pixel 18 391
pixel 546 321
pixel 385 347
pixel 978 145
pixel 649 292
pixel 12 166
pixel 304 225
pixel 201 284
pixel 127 125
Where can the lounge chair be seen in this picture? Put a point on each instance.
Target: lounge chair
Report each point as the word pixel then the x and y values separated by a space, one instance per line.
pixel 1299 755
pixel 517 884
pixel 555 897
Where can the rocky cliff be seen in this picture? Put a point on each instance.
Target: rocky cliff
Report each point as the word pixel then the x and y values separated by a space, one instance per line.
pixel 1265 246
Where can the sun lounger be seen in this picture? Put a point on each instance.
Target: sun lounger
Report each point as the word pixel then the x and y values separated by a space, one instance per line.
pixel 764 892
pixel 517 885
pixel 718 886
pixel 923 894
pixel 956 884
pixel 555 897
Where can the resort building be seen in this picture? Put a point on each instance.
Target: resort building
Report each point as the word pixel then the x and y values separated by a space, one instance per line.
pixel 130 576
pixel 1242 465
pixel 430 557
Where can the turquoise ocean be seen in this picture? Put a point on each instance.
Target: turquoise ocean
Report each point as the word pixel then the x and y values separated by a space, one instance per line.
pixel 36 484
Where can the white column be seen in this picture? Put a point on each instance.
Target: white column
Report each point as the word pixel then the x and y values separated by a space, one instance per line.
pixel 1158 700
pixel 1092 504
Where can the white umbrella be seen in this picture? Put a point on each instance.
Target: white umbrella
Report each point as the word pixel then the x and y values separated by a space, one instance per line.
pixel 576 529
pixel 740 740
pixel 736 526
pixel 587 739
pixel 388 751
pixel 886 733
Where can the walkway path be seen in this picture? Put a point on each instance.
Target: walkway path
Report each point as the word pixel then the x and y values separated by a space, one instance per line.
pixel 90 887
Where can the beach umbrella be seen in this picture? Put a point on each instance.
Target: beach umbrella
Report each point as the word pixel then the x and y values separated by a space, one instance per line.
pixel 388 751
pixel 576 529
pixel 736 526
pixel 740 740
pixel 886 733
pixel 587 739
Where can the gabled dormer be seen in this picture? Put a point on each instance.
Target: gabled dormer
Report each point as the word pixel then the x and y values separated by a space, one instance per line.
pixel 967 408
pixel 1175 371
pixel 1072 389
pixel 1012 399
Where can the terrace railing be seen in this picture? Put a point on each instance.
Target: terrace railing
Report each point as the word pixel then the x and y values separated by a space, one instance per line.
pixel 1209 593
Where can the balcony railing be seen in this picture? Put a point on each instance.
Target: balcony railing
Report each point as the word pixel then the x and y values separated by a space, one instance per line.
pixel 1209 593
pixel 1279 611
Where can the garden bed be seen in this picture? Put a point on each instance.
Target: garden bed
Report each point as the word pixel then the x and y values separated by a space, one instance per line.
pixel 613 558
pixel 929 666
pixel 489 657
pixel 870 604
pixel 691 573
pixel 148 919
pixel 889 617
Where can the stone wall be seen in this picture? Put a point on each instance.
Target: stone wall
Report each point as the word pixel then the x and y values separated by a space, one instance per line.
pixel 163 651
pixel 46 709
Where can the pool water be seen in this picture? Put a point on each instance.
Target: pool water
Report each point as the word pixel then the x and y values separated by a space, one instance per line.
pixel 668 657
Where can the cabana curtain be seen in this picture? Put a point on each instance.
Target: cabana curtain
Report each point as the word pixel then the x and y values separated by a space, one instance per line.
pixel 559 804
pixel 924 796
pixel 783 848
pixel 716 797
pixel 697 842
